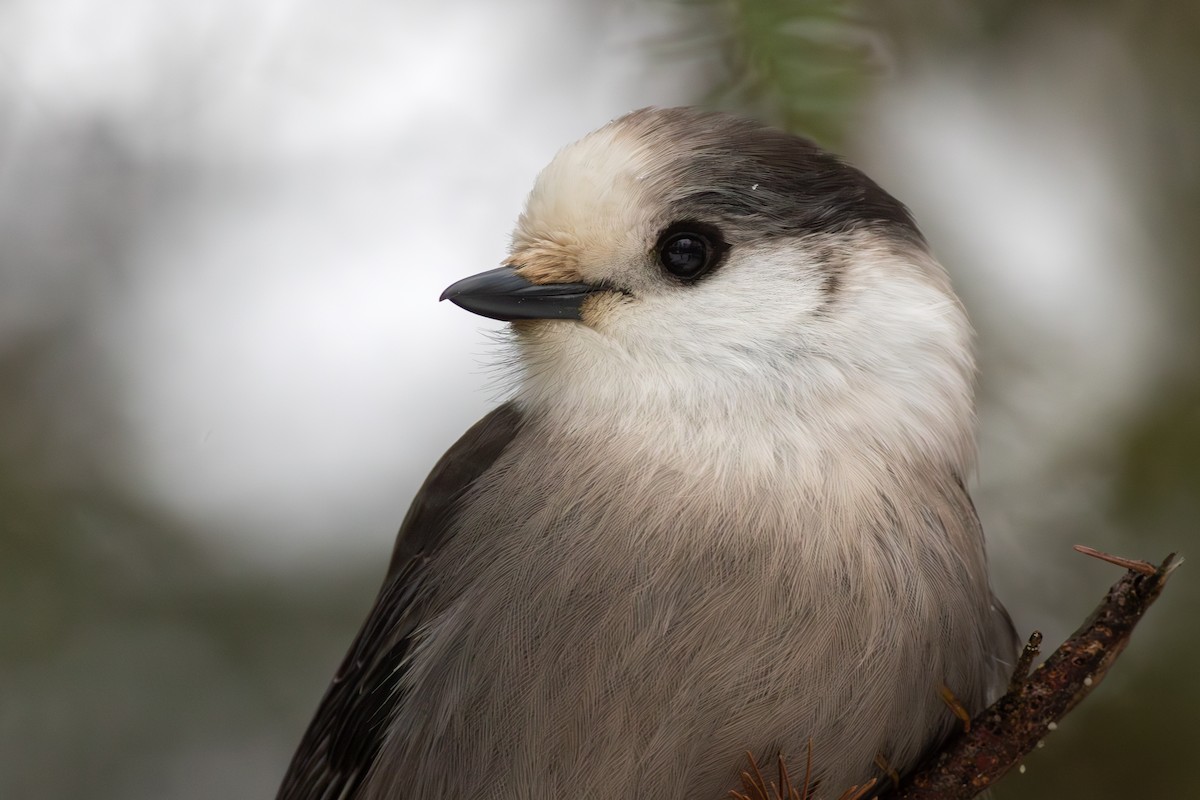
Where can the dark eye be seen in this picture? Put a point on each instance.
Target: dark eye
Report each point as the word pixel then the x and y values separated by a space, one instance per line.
pixel 688 248
pixel 685 254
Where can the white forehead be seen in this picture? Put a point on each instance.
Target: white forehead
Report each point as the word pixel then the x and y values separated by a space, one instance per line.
pixel 601 175
pixel 592 205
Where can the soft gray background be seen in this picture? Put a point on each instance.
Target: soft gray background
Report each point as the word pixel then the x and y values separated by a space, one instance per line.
pixel 223 370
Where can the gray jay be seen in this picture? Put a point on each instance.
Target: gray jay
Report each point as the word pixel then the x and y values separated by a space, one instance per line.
pixel 724 510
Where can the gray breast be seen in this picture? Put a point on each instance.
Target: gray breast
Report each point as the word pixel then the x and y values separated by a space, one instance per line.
pixel 605 628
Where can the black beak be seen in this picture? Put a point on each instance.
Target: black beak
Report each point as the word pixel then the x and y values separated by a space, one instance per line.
pixel 503 294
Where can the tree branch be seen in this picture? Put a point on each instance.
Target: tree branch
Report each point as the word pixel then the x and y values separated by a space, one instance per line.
pixel 1005 732
pixel 998 738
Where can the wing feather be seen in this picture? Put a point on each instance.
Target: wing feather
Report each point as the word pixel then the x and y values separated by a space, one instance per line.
pixel 344 737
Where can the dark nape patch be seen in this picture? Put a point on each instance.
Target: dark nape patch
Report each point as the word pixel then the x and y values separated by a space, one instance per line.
pixel 831 268
pixel 830 283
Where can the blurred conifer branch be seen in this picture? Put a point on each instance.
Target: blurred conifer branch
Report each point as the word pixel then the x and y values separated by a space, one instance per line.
pixel 798 64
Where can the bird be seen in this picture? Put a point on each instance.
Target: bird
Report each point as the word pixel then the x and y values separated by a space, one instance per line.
pixel 724 510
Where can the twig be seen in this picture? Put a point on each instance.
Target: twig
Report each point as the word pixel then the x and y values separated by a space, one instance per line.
pixel 755 786
pixel 1012 727
pixel 1144 567
pixel 1029 652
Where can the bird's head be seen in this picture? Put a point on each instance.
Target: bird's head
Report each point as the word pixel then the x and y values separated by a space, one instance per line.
pixel 693 270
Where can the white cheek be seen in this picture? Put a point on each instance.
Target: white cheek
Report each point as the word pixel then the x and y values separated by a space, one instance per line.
pixel 758 305
pixel 765 359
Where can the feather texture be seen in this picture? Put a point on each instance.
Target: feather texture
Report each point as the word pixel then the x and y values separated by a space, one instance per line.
pixel 719 516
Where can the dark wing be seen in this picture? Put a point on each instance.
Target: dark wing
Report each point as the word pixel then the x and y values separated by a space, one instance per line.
pixel 343 739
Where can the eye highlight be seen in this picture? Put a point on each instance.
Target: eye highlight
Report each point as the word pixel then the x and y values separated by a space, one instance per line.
pixel 685 254
pixel 689 249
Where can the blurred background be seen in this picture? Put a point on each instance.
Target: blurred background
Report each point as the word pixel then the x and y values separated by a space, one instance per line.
pixel 224 371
